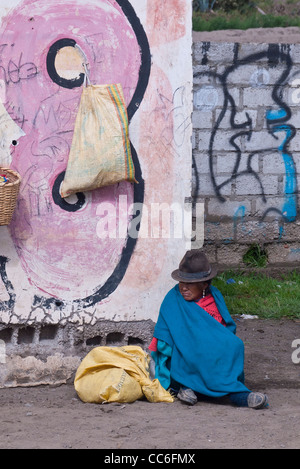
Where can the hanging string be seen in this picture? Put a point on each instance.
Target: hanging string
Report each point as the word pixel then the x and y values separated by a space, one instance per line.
pixel 84 64
pixel 86 75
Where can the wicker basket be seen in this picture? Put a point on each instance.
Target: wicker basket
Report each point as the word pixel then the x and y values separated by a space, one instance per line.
pixel 8 195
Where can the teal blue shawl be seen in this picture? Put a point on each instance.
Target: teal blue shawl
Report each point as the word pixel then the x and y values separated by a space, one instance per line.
pixel 197 351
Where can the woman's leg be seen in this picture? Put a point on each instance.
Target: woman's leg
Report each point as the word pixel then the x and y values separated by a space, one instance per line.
pixel 239 399
pixel 255 400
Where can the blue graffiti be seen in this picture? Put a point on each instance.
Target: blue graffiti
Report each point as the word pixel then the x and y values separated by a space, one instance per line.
pixel 281 232
pixel 289 209
pixel 240 212
pixel 238 217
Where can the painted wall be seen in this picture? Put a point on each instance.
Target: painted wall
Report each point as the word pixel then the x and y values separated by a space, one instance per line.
pixel 246 149
pixel 56 266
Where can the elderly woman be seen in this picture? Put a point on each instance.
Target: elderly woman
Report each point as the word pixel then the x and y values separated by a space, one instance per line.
pixel 195 349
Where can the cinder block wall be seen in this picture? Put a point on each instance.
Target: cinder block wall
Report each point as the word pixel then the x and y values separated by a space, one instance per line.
pixel 246 149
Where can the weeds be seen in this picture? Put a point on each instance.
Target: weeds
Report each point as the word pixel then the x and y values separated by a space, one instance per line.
pixel 241 14
pixel 256 256
pixel 261 295
pixel 222 21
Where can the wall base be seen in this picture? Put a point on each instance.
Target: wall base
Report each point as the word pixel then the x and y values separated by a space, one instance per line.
pixel 51 353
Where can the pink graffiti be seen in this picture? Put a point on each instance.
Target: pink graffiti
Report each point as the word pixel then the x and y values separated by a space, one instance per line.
pixel 59 249
pixel 162 27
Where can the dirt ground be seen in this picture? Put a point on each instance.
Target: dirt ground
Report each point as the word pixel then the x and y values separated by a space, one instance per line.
pixel 54 417
pixel 261 35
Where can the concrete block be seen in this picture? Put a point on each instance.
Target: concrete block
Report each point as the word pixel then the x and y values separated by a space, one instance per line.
pixel 254 231
pixel 233 209
pixel 226 163
pixel 284 253
pixel 220 232
pixel 255 97
pixel 246 75
pixel 290 232
pixel 246 50
pixel 294 51
pixel 231 255
pixel 273 163
pixel 260 207
pixel 206 187
pixel 203 75
pixel 235 95
pixel 193 140
pixel 203 137
pixel 295 117
pixel 32 371
pixel 202 119
pixel 240 117
pixel 249 185
pixel 298 179
pixel 291 94
pixel 263 140
pixel 208 53
pixel 202 162
pixel 221 141
pixel 211 252
pixel 294 145
pixel 209 97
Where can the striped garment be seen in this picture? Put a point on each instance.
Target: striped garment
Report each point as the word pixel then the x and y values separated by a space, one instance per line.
pixel 117 98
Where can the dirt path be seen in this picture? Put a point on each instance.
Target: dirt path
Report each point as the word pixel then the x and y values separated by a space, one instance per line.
pixel 261 35
pixel 46 417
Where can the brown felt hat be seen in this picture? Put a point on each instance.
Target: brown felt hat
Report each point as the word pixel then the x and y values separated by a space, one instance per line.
pixel 194 267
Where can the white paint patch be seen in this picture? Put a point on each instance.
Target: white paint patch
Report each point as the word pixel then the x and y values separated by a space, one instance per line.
pixel 260 78
pixel 9 132
pixel 206 98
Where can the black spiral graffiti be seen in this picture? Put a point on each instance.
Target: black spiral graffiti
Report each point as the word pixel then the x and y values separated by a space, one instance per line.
pixel 276 118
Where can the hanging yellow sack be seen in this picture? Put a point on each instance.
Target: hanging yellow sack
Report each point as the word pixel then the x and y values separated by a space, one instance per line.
pixel 117 374
pixel 100 154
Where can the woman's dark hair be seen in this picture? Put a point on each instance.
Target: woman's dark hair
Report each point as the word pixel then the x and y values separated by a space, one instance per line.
pixel 207 290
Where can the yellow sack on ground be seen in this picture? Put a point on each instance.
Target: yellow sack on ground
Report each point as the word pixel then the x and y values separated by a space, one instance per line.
pixel 100 153
pixel 117 374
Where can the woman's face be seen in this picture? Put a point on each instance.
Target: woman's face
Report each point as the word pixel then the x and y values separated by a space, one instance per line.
pixel 192 291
